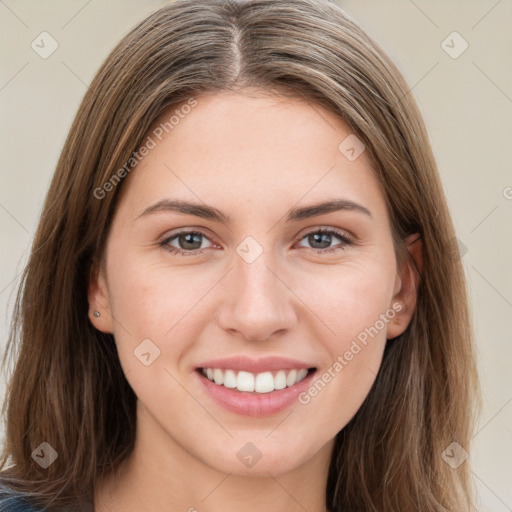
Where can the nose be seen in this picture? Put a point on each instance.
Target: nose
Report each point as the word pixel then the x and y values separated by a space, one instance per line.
pixel 258 304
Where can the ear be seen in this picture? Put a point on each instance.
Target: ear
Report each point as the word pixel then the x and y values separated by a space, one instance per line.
pixel 99 301
pixel 406 286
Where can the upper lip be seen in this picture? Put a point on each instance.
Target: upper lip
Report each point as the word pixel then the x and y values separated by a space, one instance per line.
pixel 244 363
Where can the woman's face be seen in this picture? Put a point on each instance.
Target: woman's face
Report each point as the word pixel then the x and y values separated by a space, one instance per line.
pixel 240 281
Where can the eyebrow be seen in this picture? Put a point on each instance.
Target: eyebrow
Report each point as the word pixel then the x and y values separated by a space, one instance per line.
pixel 211 213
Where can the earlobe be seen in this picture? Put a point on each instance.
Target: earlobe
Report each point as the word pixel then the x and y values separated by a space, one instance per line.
pixel 99 305
pixel 409 277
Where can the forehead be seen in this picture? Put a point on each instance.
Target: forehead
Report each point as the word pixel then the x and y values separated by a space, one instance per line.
pixel 251 148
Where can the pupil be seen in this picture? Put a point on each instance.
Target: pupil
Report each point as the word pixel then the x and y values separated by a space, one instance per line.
pixel 189 239
pixel 317 237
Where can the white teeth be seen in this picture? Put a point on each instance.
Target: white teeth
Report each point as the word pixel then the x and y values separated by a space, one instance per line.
pixel 230 379
pixel 280 380
pixel 264 382
pixel 218 376
pixel 245 381
pixel 291 378
pixel 301 374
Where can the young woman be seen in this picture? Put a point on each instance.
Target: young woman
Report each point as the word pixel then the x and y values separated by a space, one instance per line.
pixel 242 293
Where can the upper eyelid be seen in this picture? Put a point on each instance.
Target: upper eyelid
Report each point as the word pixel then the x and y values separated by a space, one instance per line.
pixel 336 232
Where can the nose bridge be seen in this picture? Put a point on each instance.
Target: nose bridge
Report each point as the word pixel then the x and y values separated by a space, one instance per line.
pixel 258 303
pixel 254 259
pixel 256 280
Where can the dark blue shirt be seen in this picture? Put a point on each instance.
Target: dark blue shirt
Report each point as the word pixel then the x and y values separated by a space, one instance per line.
pixel 15 501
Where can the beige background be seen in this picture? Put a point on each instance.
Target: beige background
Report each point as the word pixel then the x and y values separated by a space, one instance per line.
pixel 466 102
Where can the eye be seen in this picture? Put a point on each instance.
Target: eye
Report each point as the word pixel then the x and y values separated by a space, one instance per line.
pixel 189 243
pixel 323 237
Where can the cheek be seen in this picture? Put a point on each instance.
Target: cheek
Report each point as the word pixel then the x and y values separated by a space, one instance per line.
pixel 159 314
pixel 343 383
pixel 150 299
pixel 355 305
pixel 154 316
pixel 349 300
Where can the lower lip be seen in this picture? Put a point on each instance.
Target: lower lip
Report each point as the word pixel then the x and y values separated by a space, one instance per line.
pixel 255 404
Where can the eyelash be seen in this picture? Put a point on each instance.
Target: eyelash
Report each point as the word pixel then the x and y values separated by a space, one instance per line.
pixel 173 250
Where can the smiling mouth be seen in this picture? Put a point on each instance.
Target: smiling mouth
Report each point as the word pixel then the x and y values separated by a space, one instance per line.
pixel 255 383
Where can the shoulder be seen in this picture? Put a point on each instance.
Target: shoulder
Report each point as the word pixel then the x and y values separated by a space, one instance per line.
pixel 14 501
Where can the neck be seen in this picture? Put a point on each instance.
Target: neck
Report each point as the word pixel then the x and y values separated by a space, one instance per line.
pixel 156 479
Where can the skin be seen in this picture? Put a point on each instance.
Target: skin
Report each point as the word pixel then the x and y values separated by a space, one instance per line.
pixel 253 156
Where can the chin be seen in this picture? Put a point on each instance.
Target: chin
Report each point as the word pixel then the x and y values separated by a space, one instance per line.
pixel 259 457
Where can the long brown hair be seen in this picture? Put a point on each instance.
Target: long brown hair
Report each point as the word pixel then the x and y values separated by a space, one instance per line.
pixel 67 386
